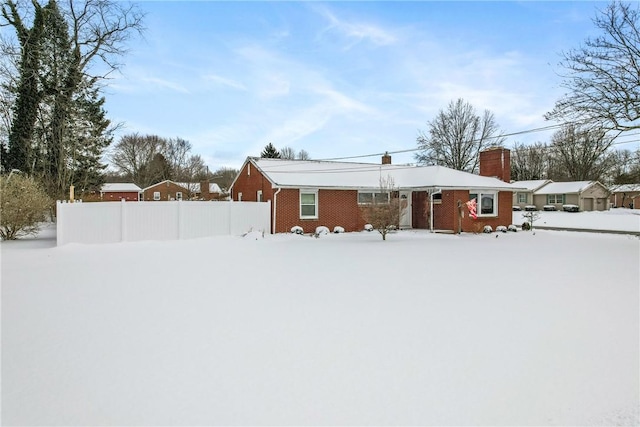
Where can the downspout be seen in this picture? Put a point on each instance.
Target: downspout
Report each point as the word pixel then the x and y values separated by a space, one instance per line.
pixel 438 191
pixel 275 205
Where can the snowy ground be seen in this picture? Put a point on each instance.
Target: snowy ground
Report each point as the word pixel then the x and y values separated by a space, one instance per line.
pixel 614 219
pixel 422 329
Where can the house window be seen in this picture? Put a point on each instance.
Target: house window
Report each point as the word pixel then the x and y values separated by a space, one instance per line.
pixel 240 196
pixel 522 197
pixel 555 198
pixel 308 204
pixel 179 195
pixel 437 198
pixel 156 195
pixel 487 203
pixel 368 198
pixel 259 196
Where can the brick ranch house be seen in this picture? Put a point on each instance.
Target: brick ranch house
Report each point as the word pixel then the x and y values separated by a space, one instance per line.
pixel 169 190
pixel 311 193
pixel 114 192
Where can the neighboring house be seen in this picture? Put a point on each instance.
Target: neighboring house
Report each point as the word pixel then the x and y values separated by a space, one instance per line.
pixel 310 193
pixel 586 195
pixel 625 196
pixel 211 191
pixel 120 191
pixel 165 191
pixel 524 197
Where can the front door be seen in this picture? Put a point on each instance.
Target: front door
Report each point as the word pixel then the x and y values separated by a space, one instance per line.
pixel 405 209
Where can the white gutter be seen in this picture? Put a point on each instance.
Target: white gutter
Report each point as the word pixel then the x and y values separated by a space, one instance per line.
pixel 275 205
pixel 438 191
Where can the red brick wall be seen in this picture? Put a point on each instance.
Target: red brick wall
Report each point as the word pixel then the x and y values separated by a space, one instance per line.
pixel 249 181
pixel 167 191
pixel 496 162
pixel 446 213
pixel 117 196
pixel 335 208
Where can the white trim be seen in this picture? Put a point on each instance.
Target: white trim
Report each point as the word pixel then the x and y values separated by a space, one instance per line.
pixel 479 195
pixel 259 196
pixel 156 195
pixel 315 194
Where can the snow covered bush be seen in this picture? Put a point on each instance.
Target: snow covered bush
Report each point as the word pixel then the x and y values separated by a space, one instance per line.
pixel 338 229
pixel 512 228
pixel 368 227
pixel 23 206
pixel 487 229
pixel 297 229
pixel 321 231
pixel 526 226
pixel 501 228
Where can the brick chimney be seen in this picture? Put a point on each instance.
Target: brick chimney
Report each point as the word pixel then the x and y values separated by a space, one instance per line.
pixel 204 190
pixel 386 159
pixel 496 162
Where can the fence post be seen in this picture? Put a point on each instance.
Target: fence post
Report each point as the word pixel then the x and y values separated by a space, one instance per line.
pixel 59 226
pixel 123 221
pixel 179 219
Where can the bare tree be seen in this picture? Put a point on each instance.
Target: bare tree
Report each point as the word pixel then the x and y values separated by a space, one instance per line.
pixel 303 155
pixel 603 75
pixel 133 153
pixel 384 210
pixel 287 153
pixel 224 177
pixel 581 154
pixel 457 136
pixel 529 162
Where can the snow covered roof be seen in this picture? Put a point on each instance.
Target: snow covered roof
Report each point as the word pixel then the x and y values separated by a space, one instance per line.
pixel 340 175
pixel 625 188
pixel 119 187
pixel 532 185
pixel 565 187
pixel 194 187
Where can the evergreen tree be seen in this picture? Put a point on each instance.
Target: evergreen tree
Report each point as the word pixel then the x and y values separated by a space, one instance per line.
pixel 270 152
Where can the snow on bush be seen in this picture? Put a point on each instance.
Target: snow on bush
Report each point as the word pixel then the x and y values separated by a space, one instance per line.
pixel 297 229
pixel 512 228
pixel 487 229
pixel 501 228
pixel 338 229
pixel 526 225
pixel 321 230
pixel 368 227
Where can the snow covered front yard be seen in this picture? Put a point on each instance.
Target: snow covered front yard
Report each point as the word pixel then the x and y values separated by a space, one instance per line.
pixel 423 329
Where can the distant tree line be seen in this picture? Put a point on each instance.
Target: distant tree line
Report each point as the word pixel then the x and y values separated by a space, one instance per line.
pixel 271 152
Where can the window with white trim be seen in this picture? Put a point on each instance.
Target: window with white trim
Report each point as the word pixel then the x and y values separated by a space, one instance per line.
pixel 522 197
pixel 179 195
pixel 308 204
pixel 259 195
pixel 156 195
pixel 486 202
pixel 555 198
pixel 369 197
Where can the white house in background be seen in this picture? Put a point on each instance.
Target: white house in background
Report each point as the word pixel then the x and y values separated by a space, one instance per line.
pixel 116 191
pixel 586 195
pixel 524 198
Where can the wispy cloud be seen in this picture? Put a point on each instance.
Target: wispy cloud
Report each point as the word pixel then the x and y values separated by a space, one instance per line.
pixel 225 82
pixel 165 84
pixel 356 32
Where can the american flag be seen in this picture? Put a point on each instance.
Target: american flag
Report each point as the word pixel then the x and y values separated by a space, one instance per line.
pixel 471 205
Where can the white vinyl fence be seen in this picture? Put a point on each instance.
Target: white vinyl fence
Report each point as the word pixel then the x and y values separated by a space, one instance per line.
pixel 110 222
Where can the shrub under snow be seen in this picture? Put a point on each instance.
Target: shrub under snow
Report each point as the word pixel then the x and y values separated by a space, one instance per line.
pixel 487 229
pixel 512 228
pixel 297 229
pixel 321 230
pixel 368 227
pixel 338 229
pixel 501 228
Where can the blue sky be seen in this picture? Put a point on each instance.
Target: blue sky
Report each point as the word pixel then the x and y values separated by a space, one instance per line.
pixel 339 79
